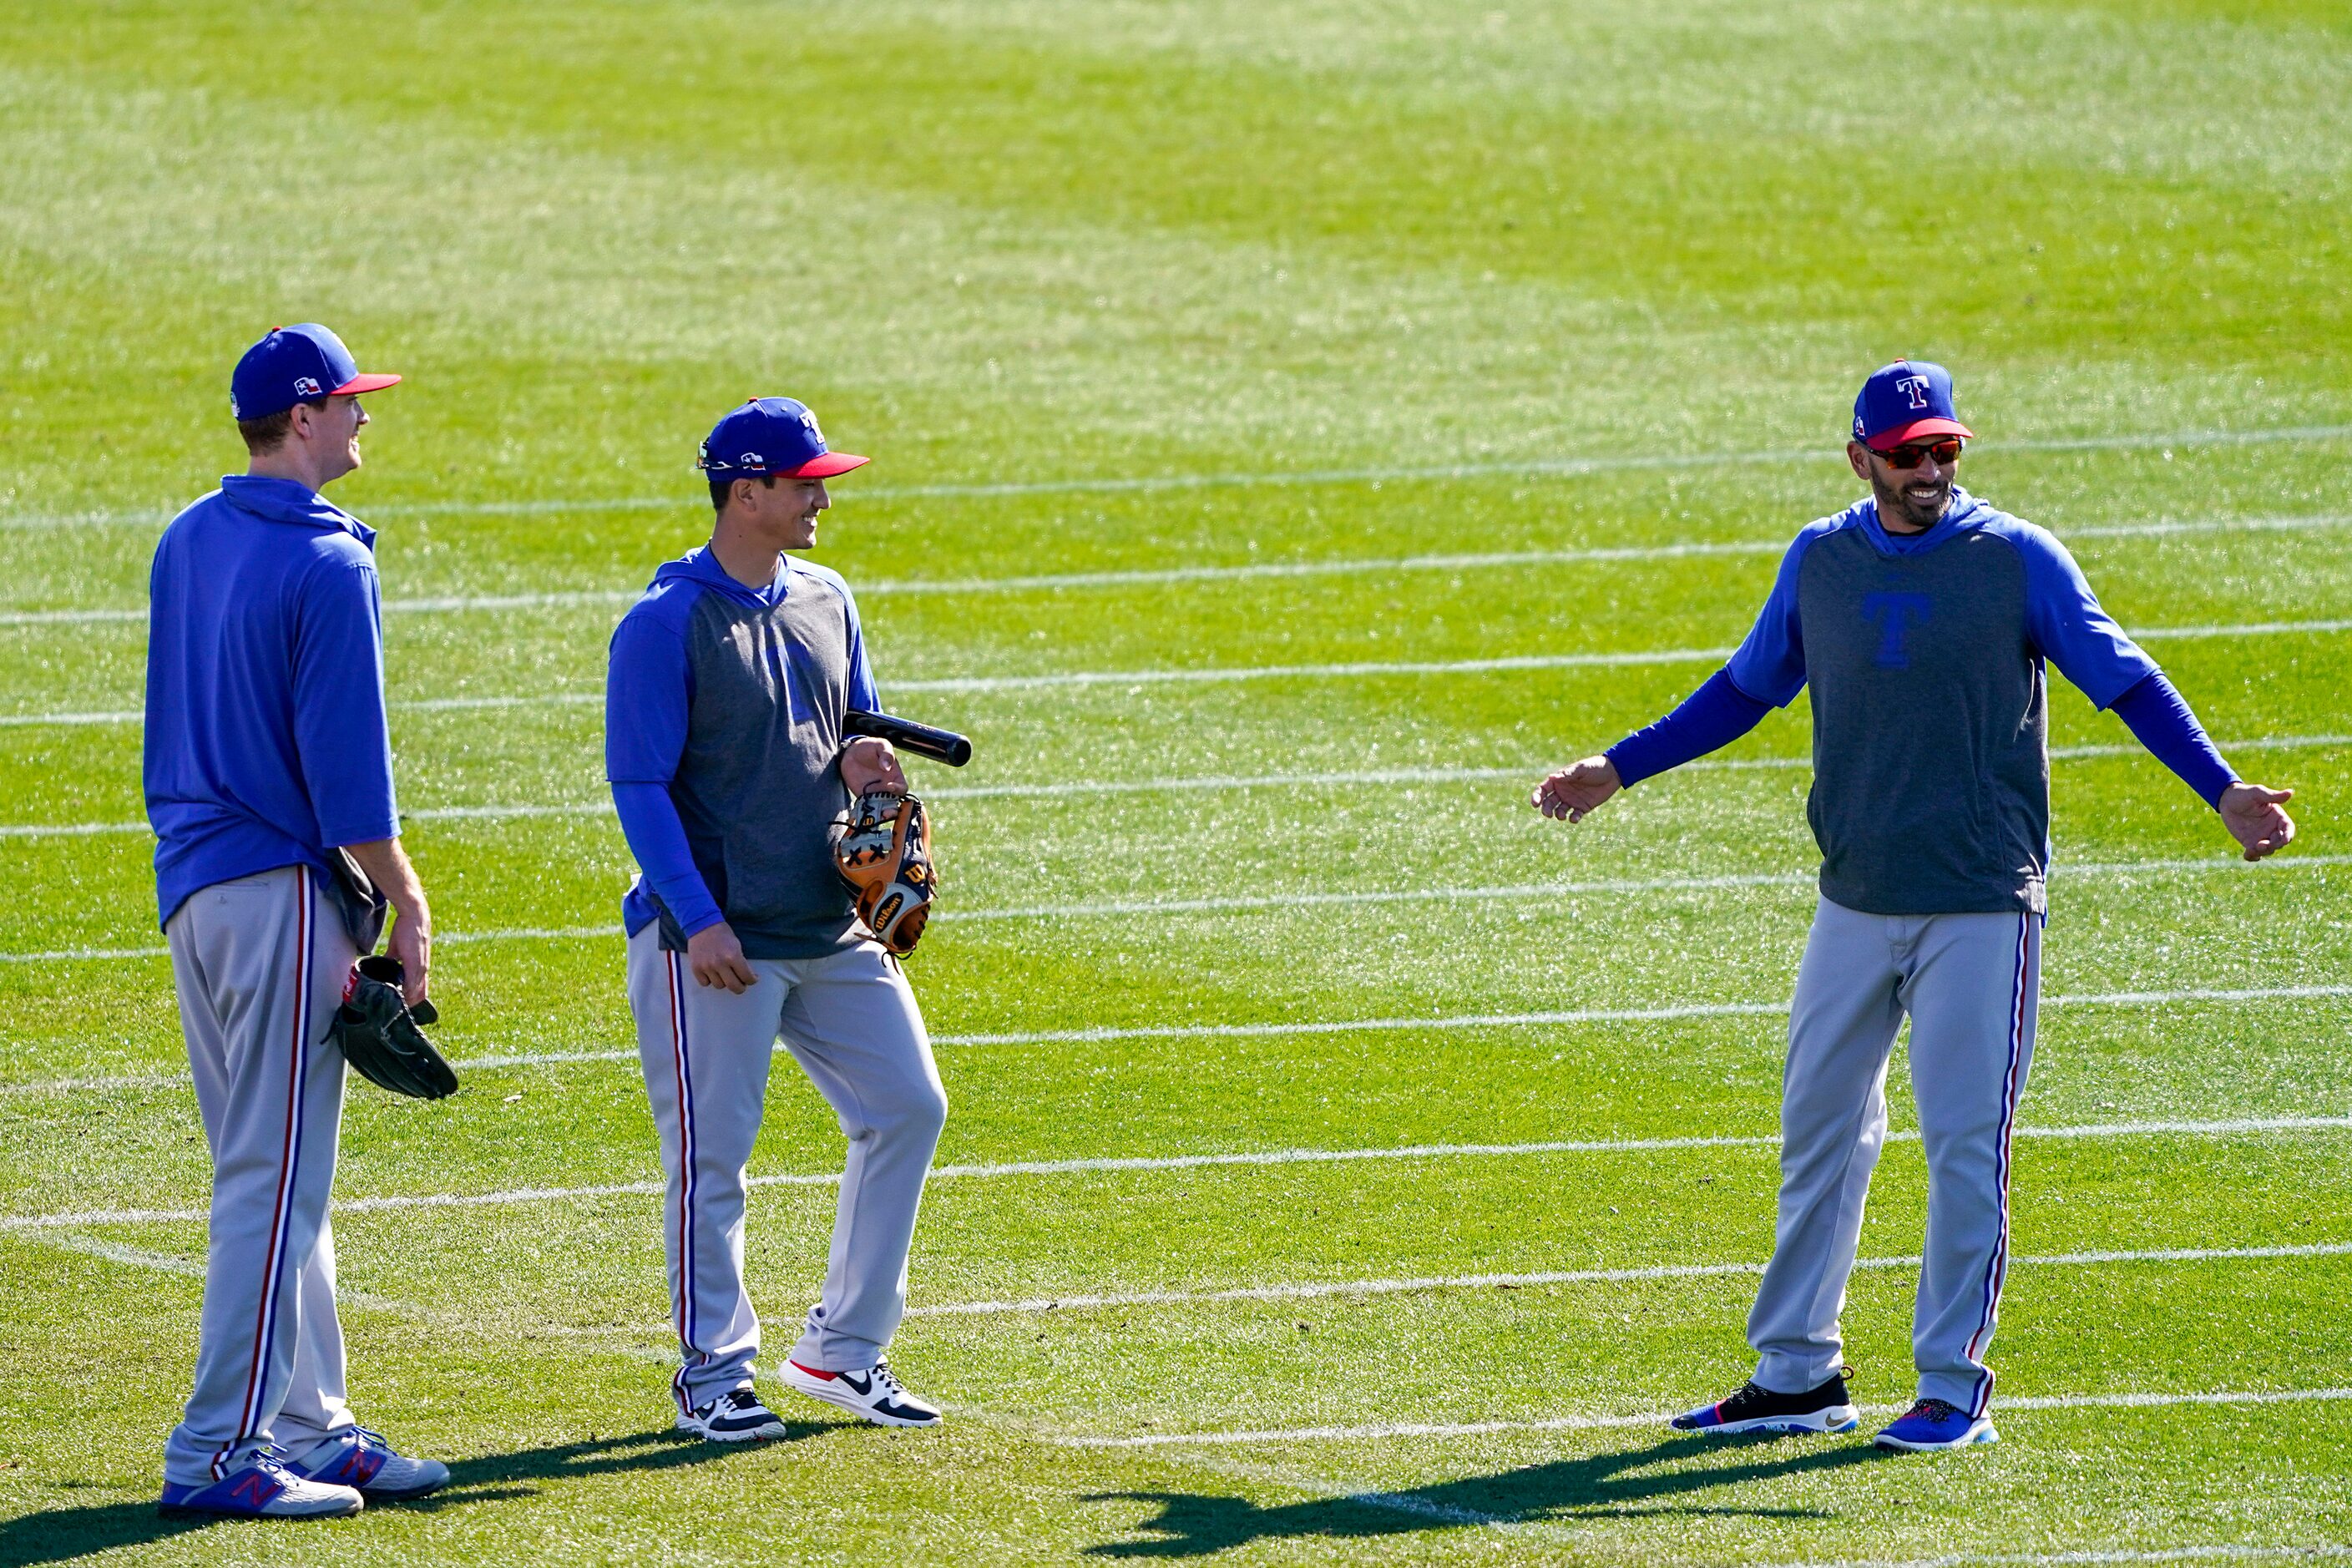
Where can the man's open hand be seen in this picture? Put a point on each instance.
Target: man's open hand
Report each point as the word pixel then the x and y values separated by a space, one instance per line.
pixel 1575 791
pixel 2254 819
pixel 717 959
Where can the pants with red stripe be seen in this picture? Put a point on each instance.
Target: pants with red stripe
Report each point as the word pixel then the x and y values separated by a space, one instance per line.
pixel 258 965
pixel 850 1020
pixel 1969 983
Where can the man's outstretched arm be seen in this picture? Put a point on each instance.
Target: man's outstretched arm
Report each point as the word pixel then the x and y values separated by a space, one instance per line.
pixel 2160 718
pixel 1765 672
pixel 2074 632
pixel 1709 719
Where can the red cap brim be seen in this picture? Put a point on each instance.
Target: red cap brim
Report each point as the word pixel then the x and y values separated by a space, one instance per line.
pixel 824 464
pixel 1918 430
pixel 371 382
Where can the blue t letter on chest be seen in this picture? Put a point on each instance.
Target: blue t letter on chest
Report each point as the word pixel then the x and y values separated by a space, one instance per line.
pixel 1894 613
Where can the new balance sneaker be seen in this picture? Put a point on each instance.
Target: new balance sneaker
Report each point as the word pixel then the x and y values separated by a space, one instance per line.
pixel 874 1393
pixel 261 1488
pixel 362 1460
pixel 1758 1409
pixel 735 1418
pixel 1935 1424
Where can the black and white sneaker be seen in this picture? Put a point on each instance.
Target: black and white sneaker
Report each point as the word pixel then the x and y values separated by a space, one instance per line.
pixel 1757 1409
pixel 736 1417
pixel 874 1393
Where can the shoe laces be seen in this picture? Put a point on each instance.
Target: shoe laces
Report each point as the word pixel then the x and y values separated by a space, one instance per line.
pixel 1936 1410
pixel 271 1459
pixel 886 1380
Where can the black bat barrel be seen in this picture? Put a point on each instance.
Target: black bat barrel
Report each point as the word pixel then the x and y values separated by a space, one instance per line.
pixel 939 745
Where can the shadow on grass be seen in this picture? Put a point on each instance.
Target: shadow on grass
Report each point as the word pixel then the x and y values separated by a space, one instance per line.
pixel 1603 1485
pixel 60 1534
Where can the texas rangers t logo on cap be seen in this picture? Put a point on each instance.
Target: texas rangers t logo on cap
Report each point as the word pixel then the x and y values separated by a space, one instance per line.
pixel 1909 400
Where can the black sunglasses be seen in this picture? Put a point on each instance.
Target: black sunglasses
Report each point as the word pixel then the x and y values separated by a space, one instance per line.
pixel 1946 451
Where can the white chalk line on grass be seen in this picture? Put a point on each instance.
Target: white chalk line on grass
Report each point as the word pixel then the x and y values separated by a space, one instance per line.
pixel 1136 680
pixel 1589 1016
pixel 1474 1021
pixel 1386 1430
pixel 1243 904
pixel 1470 1021
pixel 1405 1502
pixel 1247 1159
pixel 1321 1289
pixel 1531 890
pixel 1533 467
pixel 1371 778
pixel 1211 782
pixel 1060 582
pixel 1381 669
pixel 2087 1557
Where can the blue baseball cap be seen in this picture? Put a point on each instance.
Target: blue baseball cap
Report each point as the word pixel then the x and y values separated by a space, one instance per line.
pixel 294 365
pixel 771 435
pixel 1909 400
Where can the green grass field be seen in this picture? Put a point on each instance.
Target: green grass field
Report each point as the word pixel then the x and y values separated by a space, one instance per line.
pixel 1324 1180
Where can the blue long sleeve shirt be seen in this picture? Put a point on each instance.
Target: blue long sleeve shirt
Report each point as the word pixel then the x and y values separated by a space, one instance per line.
pixel 723 709
pixel 1924 656
pixel 267 739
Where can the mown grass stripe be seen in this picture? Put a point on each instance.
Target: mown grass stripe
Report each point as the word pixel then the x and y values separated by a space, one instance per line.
pixel 1215 783
pixel 1247 904
pixel 1590 1015
pixel 1243 1159
pixel 1207 783
pixel 1062 582
pixel 2228 1553
pixel 1317 1290
pixel 1225 674
pixel 1147 484
pixel 1389 1430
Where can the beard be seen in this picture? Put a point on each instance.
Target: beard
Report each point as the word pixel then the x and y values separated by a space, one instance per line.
pixel 1897 504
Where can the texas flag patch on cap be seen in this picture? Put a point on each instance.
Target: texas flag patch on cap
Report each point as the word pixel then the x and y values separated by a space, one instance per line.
pixel 295 365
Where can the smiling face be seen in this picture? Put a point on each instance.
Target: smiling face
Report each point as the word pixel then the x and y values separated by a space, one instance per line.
pixel 331 434
pixel 1910 500
pixel 782 515
pixel 313 443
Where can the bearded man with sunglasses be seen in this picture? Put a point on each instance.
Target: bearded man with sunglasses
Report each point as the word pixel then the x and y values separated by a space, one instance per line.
pixel 1921 619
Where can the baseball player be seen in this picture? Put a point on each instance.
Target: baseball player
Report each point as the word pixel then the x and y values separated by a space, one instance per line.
pixel 1921 619
pixel 267 750
pixel 729 766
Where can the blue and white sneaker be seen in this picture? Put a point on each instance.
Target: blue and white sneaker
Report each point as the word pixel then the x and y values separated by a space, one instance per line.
pixel 261 1488
pixel 1935 1424
pixel 737 1416
pixel 873 1392
pixel 1755 1408
pixel 362 1460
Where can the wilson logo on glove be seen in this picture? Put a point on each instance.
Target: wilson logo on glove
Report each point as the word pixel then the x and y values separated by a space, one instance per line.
pixel 883 850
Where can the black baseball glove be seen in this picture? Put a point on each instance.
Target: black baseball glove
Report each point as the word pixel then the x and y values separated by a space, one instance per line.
pixel 380 1034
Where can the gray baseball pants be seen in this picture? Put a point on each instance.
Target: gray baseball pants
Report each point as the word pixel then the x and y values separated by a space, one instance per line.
pixel 849 1019
pixel 259 964
pixel 1970 984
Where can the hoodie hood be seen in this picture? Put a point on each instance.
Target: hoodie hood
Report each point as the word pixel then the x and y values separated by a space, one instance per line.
pixel 697 565
pixel 283 501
